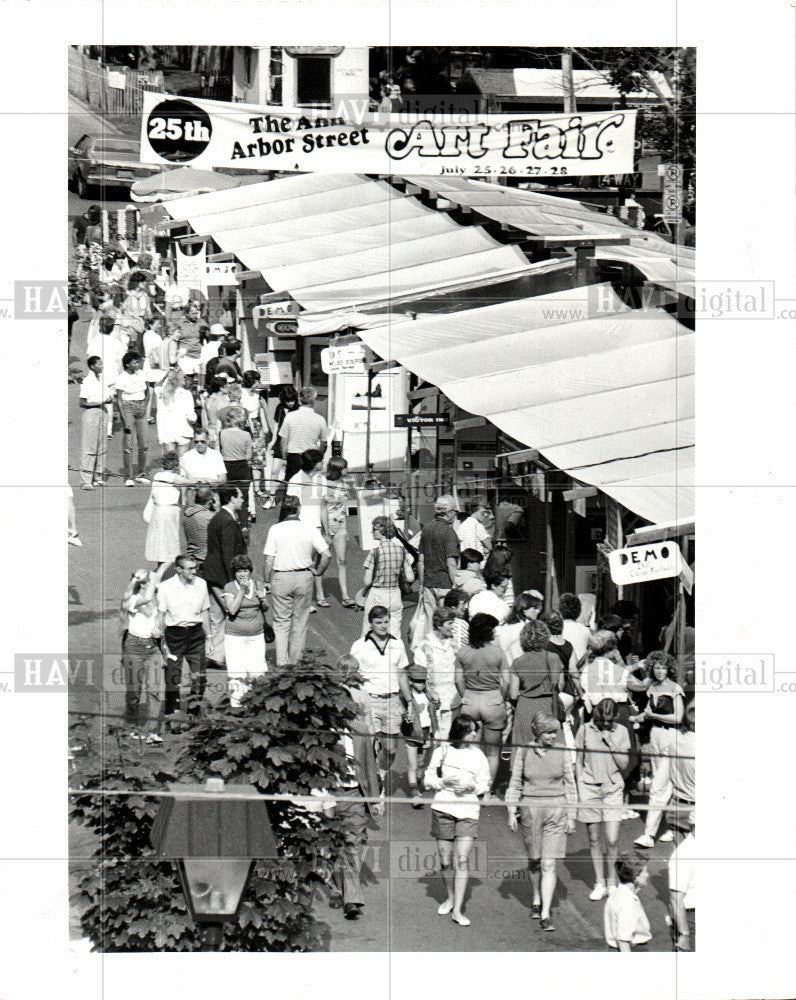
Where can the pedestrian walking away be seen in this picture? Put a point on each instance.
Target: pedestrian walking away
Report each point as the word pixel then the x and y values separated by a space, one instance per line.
pixel 294 554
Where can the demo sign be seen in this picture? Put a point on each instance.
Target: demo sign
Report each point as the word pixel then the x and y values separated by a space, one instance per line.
pixel 641 563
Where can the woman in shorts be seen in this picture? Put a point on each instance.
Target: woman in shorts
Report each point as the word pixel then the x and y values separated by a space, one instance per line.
pixel 333 520
pixel 459 773
pixel 483 682
pixel 603 753
pixel 542 785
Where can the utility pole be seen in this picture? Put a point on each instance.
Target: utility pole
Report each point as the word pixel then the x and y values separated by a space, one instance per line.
pixel 569 85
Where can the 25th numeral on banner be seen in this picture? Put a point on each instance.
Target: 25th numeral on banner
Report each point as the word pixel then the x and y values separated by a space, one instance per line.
pixel 174 129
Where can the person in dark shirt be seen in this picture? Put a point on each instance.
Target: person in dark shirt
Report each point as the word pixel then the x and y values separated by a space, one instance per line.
pixel 439 553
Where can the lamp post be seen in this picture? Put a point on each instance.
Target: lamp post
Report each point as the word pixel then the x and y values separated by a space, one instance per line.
pixel 214 839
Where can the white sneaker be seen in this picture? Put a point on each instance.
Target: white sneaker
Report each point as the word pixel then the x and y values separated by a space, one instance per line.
pixel 598 892
pixel 644 841
pixel 74 539
pixel 667 837
pixel 445 908
pixel 129 482
pixel 461 920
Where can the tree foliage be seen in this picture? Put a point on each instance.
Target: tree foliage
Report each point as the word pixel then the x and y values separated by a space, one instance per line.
pixel 282 739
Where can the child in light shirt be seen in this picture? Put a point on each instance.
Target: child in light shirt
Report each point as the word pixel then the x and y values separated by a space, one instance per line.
pixel 626 923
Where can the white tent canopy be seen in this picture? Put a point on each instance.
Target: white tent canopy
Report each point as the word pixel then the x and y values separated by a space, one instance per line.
pixel 609 399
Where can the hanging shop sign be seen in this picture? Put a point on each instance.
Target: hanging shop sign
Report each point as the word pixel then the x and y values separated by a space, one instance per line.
pixel 642 563
pixel 221 273
pixel 350 139
pixel 285 310
pixel 347 359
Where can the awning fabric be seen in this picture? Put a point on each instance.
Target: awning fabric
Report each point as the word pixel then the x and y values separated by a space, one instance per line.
pixel 402 281
pixel 182 182
pixel 608 398
pixel 661 262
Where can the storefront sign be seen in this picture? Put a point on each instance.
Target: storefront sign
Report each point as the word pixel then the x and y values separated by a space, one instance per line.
pixel 346 359
pixel 350 139
pixel 642 563
pixel 273 372
pixel 422 420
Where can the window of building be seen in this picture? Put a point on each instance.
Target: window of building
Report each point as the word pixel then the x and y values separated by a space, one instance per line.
pixel 275 72
pixel 314 80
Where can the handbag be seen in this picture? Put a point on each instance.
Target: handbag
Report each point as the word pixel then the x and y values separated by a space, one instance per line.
pixel 268 633
pixel 559 711
pixel 406 577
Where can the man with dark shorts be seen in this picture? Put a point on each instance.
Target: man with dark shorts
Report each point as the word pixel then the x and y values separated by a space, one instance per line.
pixel 184 602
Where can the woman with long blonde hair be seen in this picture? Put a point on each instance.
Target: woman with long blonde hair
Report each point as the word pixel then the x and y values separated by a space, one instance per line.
pixel 175 413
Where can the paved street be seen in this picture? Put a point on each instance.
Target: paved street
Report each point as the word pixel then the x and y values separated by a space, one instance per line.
pixel 401 893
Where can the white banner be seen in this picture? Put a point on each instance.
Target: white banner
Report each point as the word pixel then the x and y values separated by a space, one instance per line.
pixel 210 134
pixel 221 273
pixel 191 267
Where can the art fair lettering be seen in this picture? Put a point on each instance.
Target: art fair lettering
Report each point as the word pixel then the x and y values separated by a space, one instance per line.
pixel 535 138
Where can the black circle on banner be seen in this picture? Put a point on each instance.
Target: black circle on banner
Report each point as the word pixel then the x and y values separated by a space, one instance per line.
pixel 178 130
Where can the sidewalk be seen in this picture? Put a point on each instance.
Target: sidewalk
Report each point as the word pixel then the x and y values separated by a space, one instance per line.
pixel 122 125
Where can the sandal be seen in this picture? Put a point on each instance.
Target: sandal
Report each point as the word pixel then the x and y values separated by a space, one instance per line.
pixel 348 603
pixel 322 604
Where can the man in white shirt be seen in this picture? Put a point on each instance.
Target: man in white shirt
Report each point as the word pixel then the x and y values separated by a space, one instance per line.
pixel 492 600
pixel 108 348
pixel 574 631
pixel 382 663
pixel 308 486
pixel 291 550
pixel 472 531
pixel 95 394
pixel 184 602
pixel 301 430
pixel 202 464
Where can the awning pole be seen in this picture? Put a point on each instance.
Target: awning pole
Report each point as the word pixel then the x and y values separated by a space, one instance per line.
pixel 368 467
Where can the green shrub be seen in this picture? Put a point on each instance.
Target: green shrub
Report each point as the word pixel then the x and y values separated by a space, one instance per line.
pixel 282 739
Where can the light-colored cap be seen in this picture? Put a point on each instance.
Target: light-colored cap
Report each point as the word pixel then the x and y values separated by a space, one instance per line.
pixel 217 330
pixel 444 504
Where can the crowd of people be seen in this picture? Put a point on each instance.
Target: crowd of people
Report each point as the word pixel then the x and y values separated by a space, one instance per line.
pixel 479 677
pixel 479 680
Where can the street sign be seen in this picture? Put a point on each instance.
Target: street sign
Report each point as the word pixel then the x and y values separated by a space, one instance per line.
pixel 642 563
pixel 422 420
pixel 347 359
pixel 672 192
